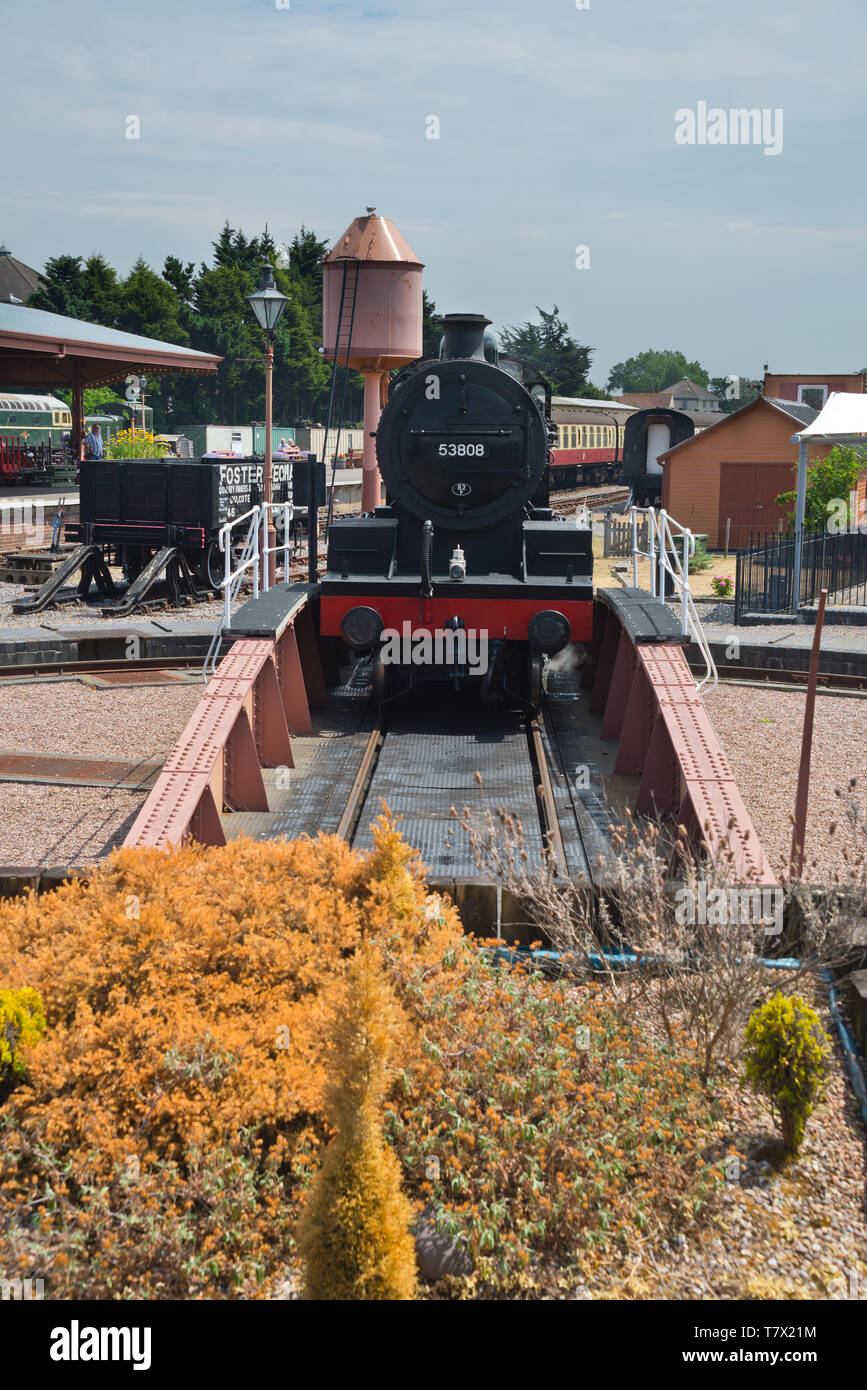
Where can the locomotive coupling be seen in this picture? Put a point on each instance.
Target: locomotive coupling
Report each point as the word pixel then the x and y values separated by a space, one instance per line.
pixel 548 632
pixel 458 564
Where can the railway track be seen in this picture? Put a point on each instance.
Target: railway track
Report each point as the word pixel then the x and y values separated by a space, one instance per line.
pixel 829 682
pixel 437 769
pixel 114 670
pixel 593 497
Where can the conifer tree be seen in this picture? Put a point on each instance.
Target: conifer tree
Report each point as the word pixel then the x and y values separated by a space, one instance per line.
pixel 354 1233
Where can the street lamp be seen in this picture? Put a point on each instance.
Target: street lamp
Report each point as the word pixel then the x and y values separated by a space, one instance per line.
pixel 268 304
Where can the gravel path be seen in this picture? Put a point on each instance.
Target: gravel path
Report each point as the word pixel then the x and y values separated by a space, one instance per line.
pixel 760 731
pixel 60 826
pixel 76 825
pixel 799 1233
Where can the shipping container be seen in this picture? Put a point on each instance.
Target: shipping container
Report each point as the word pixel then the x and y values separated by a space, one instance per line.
pixel 241 439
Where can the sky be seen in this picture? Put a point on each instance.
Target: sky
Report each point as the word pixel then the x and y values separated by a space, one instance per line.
pixel 557 129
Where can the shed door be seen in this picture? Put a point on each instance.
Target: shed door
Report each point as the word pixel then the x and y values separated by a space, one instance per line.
pixel 658 440
pixel 746 495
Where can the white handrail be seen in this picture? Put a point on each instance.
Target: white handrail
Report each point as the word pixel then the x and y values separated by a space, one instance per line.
pixel 662 552
pixel 288 511
pixel 232 579
pixel 254 550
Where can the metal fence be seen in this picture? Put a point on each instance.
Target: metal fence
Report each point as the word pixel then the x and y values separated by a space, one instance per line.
pixel 766 566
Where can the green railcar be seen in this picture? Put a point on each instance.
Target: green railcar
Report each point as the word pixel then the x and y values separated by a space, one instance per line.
pixel 34 420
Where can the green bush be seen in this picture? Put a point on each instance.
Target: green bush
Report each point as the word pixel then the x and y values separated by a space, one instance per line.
pixel 786 1060
pixel 22 1023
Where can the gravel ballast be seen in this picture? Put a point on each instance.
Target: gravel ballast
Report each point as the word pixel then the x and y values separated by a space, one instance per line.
pixel 61 826
pixel 67 717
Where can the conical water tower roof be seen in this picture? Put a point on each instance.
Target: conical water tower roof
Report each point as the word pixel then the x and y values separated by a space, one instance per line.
pixel 372 238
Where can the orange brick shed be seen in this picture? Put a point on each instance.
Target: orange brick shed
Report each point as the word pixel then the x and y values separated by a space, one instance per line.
pixel 735 469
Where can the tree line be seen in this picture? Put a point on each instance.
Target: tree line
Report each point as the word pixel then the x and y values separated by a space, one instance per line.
pixel 204 307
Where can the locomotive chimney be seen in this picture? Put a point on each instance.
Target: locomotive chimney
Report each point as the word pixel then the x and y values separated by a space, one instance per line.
pixel 463 336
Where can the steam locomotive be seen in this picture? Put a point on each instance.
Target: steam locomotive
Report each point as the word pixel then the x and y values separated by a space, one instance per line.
pixel 468 548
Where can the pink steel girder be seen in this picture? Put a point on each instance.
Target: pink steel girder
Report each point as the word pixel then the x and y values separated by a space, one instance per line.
pixel 666 738
pixel 260 694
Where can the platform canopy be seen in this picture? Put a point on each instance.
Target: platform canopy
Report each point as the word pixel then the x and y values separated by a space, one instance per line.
pixel 39 350
pixel 842 420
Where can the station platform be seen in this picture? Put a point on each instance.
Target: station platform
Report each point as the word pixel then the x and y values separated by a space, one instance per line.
pixel 783 645
pixel 51 643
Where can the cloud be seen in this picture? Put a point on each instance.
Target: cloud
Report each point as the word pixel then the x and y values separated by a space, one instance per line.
pixel 556 128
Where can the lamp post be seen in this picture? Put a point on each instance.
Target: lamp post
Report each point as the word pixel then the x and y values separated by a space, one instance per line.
pixel 268 304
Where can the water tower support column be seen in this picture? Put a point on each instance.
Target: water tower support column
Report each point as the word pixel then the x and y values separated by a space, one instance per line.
pixel 370 481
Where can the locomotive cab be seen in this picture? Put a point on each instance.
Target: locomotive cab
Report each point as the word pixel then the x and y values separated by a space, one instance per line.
pixel 466 573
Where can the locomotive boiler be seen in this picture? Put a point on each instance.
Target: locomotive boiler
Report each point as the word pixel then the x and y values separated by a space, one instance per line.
pixel 467 550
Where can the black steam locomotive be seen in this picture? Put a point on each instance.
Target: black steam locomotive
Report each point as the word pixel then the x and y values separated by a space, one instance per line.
pixel 467 559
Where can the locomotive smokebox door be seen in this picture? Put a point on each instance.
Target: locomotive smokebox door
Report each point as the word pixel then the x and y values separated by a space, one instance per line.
pixel 461 443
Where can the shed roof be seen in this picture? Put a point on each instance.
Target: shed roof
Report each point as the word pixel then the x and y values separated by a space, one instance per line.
pixel 584 403
pixel 685 387
pixel 796 410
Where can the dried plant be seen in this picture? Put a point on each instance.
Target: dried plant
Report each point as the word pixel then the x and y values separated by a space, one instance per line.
pixel 703 970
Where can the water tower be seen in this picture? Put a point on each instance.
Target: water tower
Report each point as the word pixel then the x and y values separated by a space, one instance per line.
pixel 377 277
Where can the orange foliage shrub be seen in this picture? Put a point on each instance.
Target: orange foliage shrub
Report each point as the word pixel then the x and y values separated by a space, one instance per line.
pixel 172 1115
pixel 185 996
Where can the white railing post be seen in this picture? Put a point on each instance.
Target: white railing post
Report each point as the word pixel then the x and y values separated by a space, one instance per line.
pixel 227 574
pixel 288 514
pixel 267 551
pixel 665 558
pixel 232 579
pixel 688 552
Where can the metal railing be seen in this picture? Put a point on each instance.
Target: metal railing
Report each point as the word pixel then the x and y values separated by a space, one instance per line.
pixel 253 555
pixel 765 575
pixel 669 557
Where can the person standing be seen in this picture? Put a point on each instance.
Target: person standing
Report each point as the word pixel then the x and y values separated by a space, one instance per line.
pixel 93 443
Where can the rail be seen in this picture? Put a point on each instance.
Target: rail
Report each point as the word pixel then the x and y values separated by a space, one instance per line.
pixel 662 552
